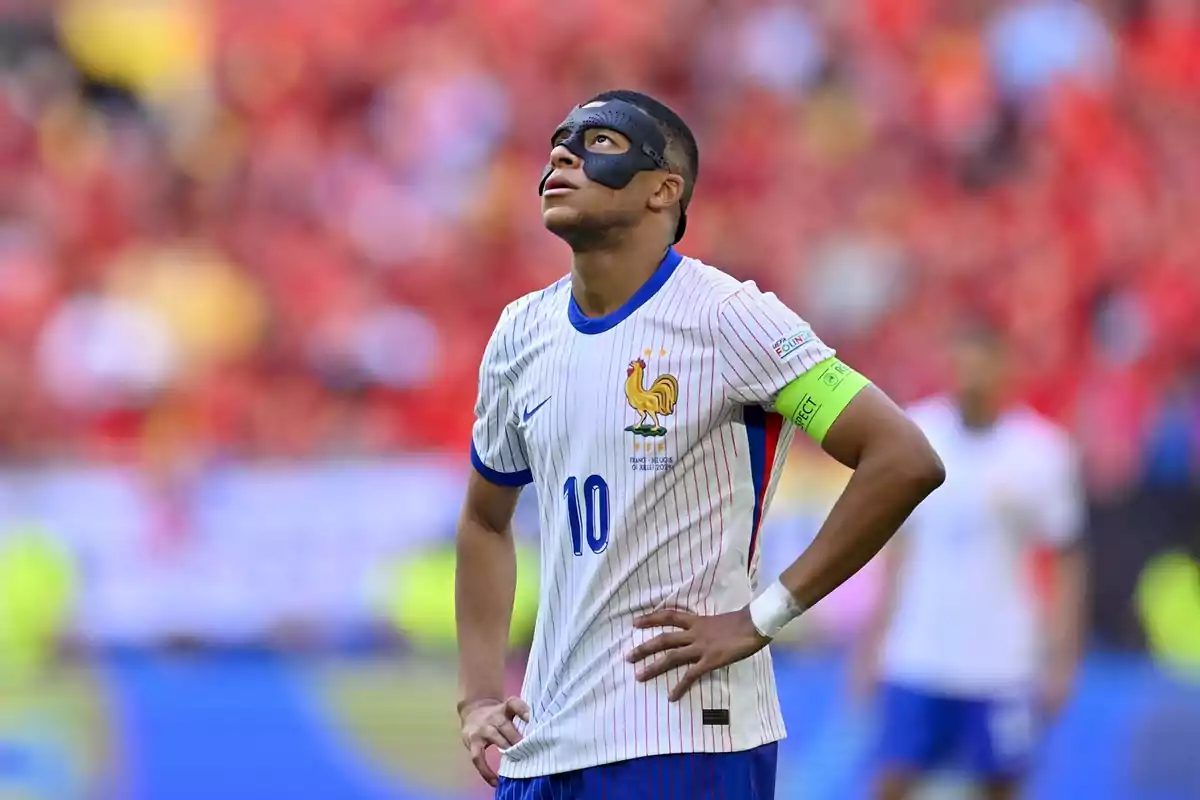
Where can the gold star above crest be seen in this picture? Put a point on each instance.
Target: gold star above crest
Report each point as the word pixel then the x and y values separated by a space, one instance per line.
pixel 647 351
pixel 662 353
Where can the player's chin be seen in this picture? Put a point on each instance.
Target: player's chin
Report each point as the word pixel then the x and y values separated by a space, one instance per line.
pixel 560 218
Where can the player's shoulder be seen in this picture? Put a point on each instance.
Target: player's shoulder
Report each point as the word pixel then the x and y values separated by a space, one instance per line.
pixel 523 324
pixel 712 281
pixel 932 413
pixel 532 308
pixel 715 285
pixel 715 295
pixel 1027 425
pixel 1019 423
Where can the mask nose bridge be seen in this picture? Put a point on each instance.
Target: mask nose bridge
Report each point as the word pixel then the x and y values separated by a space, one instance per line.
pixel 575 142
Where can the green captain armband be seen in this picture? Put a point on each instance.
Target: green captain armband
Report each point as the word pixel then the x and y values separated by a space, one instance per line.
pixel 817 398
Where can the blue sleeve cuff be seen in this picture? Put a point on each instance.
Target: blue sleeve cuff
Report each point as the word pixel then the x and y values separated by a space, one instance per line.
pixel 521 478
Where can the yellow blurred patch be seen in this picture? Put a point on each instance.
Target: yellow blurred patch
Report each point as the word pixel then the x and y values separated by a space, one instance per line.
pixel 420 599
pixel 37 593
pixel 1168 601
pixel 142 45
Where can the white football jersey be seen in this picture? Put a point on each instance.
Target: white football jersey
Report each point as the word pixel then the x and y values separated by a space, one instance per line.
pixel 966 619
pixel 649 436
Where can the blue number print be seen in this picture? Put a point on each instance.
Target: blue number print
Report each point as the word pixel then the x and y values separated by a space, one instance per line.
pixel 573 515
pixel 595 492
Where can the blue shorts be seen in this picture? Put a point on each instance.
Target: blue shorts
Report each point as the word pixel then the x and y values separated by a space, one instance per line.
pixel 748 775
pixel 990 738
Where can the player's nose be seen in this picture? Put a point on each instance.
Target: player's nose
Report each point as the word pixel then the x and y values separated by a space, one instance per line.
pixel 562 158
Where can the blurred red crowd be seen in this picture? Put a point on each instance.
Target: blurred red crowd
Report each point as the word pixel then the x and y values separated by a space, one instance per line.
pixel 295 238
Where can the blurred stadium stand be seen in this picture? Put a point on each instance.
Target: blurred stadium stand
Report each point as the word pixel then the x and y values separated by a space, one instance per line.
pixel 250 253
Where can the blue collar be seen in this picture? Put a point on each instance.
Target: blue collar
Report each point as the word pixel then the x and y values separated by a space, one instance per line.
pixel 593 325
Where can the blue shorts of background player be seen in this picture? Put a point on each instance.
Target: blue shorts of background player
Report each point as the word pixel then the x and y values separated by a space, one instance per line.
pixel 990 739
pixel 748 775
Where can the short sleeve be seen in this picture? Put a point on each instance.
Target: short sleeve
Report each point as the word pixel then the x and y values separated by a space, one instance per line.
pixel 1059 510
pixel 497 450
pixel 763 346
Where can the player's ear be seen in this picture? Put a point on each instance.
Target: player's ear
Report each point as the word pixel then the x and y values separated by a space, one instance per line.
pixel 668 193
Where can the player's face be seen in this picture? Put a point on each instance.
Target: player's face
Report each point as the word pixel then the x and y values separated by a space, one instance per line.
pixel 573 204
pixel 979 370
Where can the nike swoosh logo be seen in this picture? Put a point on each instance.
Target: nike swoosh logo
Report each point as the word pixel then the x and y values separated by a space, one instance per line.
pixel 528 414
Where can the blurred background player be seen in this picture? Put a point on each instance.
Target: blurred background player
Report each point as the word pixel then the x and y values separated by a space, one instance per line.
pixel 966 677
pixel 649 674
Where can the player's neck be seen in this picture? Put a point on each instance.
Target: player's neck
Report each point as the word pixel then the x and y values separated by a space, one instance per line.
pixel 978 417
pixel 603 280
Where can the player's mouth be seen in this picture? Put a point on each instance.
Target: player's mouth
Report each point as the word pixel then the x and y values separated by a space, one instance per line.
pixel 558 185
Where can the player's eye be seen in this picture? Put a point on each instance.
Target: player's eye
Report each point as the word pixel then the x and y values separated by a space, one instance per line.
pixel 604 142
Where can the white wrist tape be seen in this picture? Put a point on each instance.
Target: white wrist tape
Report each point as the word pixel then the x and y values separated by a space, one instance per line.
pixel 773 609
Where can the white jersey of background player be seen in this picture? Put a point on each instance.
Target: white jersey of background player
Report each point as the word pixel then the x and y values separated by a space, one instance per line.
pixel 636 396
pixel 964 662
pixel 966 619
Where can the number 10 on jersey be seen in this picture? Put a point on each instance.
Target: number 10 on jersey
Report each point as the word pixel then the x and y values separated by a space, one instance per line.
pixel 594 514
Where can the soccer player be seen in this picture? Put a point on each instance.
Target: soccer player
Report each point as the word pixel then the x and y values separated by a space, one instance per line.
pixel 956 641
pixel 651 400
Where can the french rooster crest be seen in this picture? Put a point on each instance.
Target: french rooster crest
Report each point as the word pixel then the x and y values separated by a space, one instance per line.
pixel 658 400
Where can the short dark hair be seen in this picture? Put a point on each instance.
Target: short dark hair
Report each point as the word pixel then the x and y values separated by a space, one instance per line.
pixel 981 330
pixel 683 156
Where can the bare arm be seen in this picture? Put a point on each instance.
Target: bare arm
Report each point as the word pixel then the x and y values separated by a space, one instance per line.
pixel 895 468
pixel 1068 619
pixel 1055 515
pixel 485 584
pixel 1068 614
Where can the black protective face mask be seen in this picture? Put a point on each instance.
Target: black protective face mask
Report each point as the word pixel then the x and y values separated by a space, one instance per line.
pixel 647 146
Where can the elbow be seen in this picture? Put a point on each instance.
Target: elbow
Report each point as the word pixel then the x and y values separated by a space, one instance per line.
pixel 934 474
pixel 917 465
